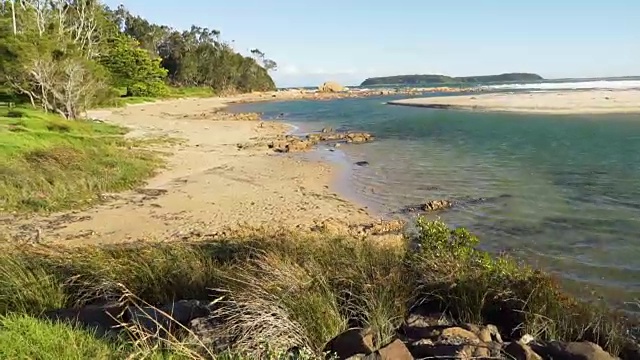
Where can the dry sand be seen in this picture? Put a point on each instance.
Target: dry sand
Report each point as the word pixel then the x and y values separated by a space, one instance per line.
pixel 209 183
pixel 562 102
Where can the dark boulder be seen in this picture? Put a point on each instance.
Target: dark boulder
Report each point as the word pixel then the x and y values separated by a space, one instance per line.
pixel 350 343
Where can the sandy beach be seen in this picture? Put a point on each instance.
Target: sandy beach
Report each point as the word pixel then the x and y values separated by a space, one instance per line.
pixel 209 184
pixel 557 102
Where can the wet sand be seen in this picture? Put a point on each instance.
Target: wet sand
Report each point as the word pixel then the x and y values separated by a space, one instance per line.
pixel 209 184
pixel 556 102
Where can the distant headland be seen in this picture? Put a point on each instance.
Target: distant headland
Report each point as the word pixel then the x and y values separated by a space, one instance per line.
pixel 430 79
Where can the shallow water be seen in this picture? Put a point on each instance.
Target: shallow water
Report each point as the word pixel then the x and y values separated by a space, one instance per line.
pixel 562 192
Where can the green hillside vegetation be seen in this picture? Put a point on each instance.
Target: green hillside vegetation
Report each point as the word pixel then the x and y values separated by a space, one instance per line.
pixel 67 56
pixel 446 80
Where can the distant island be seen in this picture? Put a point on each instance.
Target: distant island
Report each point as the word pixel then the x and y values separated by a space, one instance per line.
pixel 444 80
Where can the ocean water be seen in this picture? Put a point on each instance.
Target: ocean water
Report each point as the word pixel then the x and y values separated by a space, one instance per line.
pixel 560 192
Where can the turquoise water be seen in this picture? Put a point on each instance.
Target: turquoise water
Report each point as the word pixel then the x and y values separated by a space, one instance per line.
pixel 561 192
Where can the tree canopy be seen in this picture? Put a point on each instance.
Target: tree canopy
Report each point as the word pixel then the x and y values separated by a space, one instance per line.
pixel 68 55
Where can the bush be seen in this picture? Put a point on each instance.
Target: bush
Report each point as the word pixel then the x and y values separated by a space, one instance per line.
pixel 149 89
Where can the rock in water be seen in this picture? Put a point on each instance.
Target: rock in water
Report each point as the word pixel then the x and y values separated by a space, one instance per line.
pixel 358 137
pixel 330 86
pixel 436 205
pixel 362 163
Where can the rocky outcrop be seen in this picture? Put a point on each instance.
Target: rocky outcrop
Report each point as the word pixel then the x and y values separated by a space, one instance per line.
pixel 331 87
pixel 217 115
pixel 429 206
pixel 291 143
pixel 430 335
pixel 349 137
pixel 444 204
pixel 380 227
pixel 436 205
pixel 358 137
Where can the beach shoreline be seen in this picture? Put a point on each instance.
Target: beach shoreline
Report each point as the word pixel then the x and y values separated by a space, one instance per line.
pixel 221 176
pixel 552 102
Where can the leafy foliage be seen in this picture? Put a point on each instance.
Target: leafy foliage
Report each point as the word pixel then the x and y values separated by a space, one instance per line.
pixel 133 68
pixel 66 56
pixel 198 56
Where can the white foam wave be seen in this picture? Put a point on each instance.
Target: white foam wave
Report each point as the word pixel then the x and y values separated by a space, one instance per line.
pixel 597 84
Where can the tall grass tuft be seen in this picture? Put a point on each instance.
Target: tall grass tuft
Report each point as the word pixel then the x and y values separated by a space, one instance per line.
pixel 26 288
pixel 277 302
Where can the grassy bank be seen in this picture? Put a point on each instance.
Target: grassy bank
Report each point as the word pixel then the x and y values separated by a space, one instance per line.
pixel 172 93
pixel 48 163
pixel 289 289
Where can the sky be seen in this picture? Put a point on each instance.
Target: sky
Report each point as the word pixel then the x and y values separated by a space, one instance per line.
pixel 350 40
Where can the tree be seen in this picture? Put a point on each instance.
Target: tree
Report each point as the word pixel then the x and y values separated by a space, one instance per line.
pixel 198 56
pixel 133 68
pixel 68 55
pixel 49 58
pixel 268 64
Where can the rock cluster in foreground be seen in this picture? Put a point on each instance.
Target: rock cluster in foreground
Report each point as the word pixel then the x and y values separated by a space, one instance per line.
pixel 433 337
pixel 419 337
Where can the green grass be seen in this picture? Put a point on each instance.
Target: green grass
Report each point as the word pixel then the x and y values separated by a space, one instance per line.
pixel 48 163
pixel 173 93
pixel 287 289
pixel 24 337
pixel 194 91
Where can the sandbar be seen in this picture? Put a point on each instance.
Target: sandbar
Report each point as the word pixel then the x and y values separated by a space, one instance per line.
pixel 553 102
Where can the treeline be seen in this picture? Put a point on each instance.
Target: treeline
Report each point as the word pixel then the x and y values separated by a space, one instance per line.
pixel 69 55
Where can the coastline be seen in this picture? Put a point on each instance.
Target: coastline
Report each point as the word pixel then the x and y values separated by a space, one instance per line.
pixel 209 185
pixel 555 102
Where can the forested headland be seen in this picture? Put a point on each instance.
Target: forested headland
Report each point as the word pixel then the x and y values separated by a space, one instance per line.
pixel 69 55
pixel 443 79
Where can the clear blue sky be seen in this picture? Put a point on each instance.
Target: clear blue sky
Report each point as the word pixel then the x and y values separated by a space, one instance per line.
pixel 349 40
